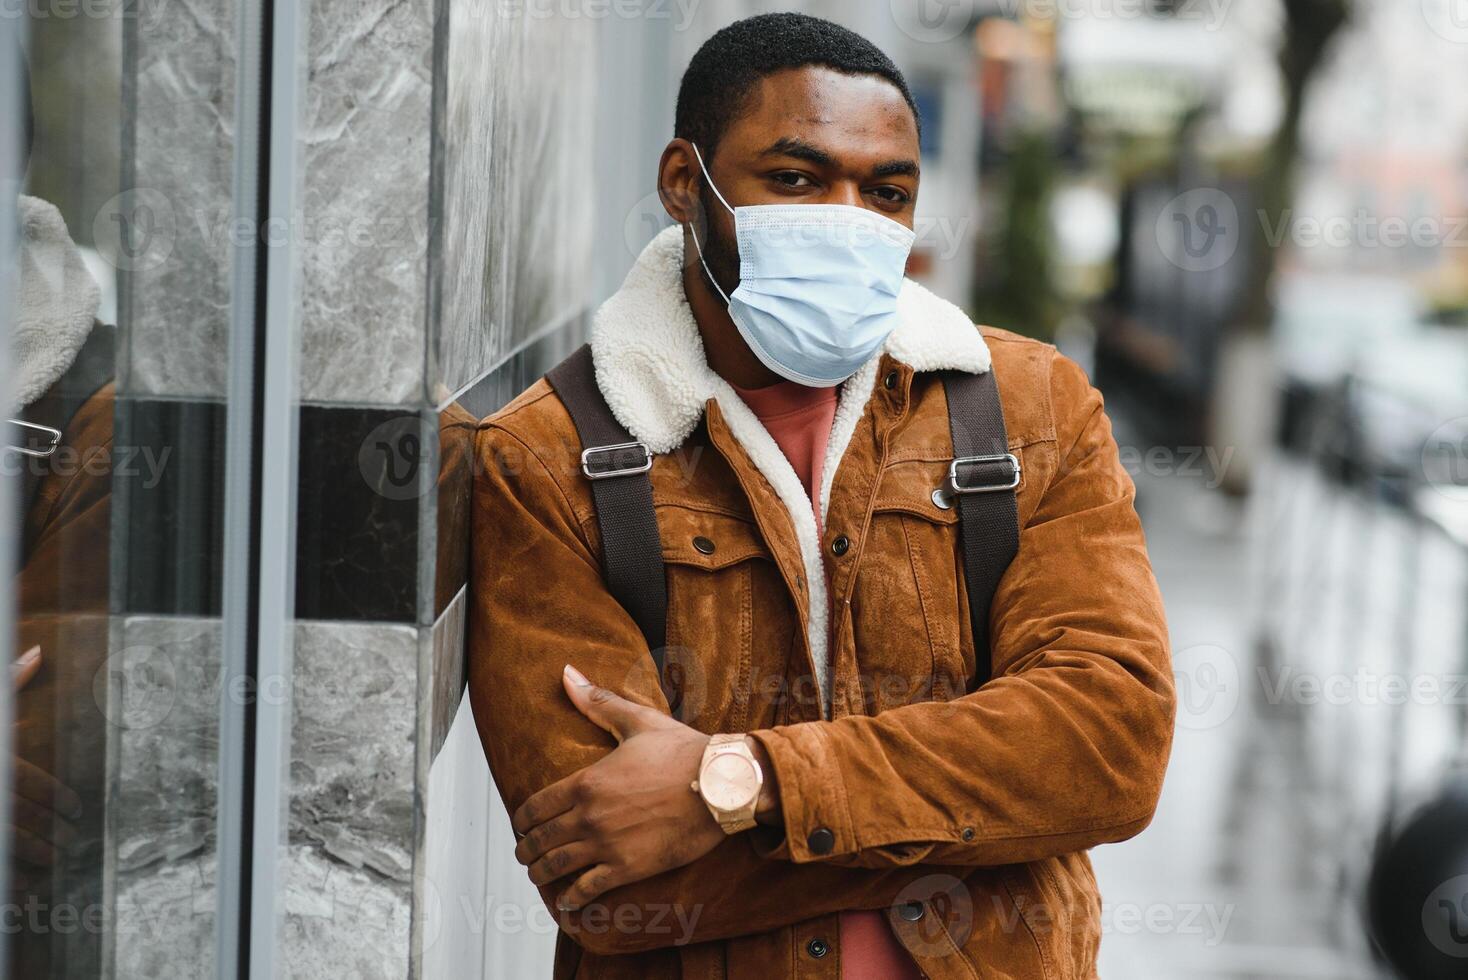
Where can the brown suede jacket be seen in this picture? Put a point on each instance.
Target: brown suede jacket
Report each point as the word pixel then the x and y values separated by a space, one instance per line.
pixel 965 814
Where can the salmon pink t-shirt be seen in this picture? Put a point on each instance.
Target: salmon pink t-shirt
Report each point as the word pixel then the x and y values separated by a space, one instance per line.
pixel 799 419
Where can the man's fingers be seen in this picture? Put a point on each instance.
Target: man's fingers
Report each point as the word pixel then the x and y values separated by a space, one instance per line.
pixel 561 861
pixel 30 849
pixel 550 802
pixel 599 880
pixel 546 836
pixel 39 786
pixel 25 666
pixel 607 708
pixel 41 823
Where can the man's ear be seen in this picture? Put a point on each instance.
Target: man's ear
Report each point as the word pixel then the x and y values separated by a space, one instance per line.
pixel 679 180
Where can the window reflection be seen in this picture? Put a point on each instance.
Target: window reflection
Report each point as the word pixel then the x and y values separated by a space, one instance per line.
pixel 64 359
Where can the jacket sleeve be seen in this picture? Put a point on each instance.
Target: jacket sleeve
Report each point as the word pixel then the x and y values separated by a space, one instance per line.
pixel 538 602
pixel 1065 748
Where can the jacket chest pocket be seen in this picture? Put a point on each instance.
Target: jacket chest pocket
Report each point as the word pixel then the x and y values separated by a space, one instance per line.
pixel 908 608
pixel 725 605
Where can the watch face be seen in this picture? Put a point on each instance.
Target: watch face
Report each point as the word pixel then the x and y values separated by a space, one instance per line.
pixel 729 782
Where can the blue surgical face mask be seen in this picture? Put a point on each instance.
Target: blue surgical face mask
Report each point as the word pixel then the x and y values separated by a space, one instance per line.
pixel 818 285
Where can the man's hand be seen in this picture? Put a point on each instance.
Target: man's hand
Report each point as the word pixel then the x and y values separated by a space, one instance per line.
pixel 626 817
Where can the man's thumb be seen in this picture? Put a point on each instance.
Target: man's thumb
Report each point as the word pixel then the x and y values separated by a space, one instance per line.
pixel 25 667
pixel 607 708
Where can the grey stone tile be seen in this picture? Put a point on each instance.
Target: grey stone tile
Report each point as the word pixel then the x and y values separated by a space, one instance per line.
pixel 519 212
pixel 348 879
pixel 365 158
pixel 352 744
pixel 162 697
pixel 446 685
pixel 342 921
pixel 169 232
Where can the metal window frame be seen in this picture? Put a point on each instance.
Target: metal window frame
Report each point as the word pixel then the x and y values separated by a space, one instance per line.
pixel 12 122
pixel 260 492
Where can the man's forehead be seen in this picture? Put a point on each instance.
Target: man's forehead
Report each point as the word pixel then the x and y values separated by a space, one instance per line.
pixel 815 112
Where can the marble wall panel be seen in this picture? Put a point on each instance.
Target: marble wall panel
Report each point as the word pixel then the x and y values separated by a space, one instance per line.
pixel 352 745
pixel 361 231
pixel 518 182
pixel 445 687
pixel 354 838
pixel 162 692
pixel 340 921
pixel 347 901
pixel 364 222
pixel 168 231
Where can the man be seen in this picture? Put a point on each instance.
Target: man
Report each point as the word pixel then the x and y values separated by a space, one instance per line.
pixel 906 817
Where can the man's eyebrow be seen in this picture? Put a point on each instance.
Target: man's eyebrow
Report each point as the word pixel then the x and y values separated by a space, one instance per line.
pixel 896 168
pixel 790 146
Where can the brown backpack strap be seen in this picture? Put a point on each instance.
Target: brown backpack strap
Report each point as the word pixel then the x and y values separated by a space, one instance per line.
pixel 617 466
pixel 981 483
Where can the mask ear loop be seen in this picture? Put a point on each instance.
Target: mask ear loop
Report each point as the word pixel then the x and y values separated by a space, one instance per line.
pixel 694 231
pixel 709 177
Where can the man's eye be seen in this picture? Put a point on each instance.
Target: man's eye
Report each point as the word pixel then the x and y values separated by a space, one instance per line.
pixel 791 178
pixel 894 195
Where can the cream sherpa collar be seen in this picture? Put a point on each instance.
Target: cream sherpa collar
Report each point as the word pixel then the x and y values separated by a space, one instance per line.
pixel 651 368
pixel 58 300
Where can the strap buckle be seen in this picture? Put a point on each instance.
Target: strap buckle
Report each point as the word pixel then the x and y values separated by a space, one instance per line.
pixel 44 450
pixel 613 459
pixel 954 486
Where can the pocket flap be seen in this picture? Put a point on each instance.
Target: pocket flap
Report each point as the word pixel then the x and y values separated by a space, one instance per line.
pixel 707 539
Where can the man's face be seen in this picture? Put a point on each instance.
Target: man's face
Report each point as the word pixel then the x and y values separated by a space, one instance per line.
pixel 812 136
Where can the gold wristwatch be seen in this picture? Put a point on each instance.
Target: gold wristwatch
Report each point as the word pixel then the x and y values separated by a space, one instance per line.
pixel 729 781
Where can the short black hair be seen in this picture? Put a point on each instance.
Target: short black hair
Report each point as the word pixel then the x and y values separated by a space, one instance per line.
pixel 728 66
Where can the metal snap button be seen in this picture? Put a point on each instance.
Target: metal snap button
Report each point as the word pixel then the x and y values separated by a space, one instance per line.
pixel 890 380
pixel 704 545
pixel 911 911
pixel 821 841
pixel 941 500
pixel 968 833
pixel 840 545
pixel 817 948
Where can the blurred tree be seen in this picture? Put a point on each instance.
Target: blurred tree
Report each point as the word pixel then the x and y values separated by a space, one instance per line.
pixel 1308 28
pixel 1015 288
